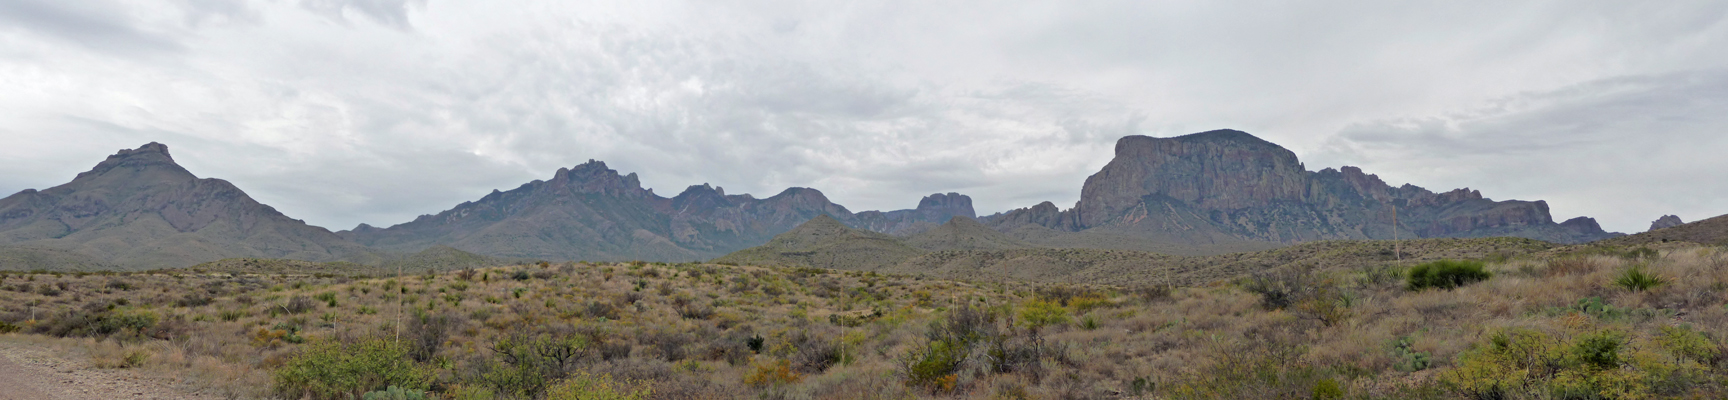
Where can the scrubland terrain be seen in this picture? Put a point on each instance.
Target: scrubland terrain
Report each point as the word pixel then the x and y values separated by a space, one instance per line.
pixel 1573 323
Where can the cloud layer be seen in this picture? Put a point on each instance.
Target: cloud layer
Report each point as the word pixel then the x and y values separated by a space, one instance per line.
pixel 342 112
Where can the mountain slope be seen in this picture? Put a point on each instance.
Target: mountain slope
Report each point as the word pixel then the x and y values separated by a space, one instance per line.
pixel 825 242
pixel 964 233
pixel 139 209
pixel 591 212
pixel 1227 190
pixel 1712 231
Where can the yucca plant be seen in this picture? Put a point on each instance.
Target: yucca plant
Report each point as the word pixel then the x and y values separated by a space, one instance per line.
pixel 1637 280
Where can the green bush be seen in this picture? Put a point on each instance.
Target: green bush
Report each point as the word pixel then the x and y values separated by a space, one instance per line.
pixel 1446 274
pixel 394 393
pixel 1636 280
pixel 584 386
pixel 335 370
pixel 934 366
pixel 1039 313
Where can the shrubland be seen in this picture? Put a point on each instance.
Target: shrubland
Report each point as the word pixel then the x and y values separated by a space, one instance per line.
pixel 1585 324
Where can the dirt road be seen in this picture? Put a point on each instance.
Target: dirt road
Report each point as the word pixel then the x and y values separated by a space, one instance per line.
pixel 33 373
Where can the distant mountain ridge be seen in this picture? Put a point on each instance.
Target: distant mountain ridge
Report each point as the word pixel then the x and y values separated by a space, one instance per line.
pixel 1227 187
pixel 592 212
pixel 139 209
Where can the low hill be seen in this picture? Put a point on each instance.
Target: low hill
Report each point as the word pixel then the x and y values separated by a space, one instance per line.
pixel 1713 231
pixel 824 242
pixel 962 233
pixel 443 258
pixel 959 250
pixel 24 258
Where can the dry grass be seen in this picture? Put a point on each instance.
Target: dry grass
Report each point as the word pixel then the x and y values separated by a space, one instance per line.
pixel 687 328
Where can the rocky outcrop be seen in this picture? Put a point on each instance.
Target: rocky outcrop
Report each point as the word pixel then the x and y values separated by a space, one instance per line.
pixel 1233 183
pixel 139 209
pixel 591 212
pixel 1667 221
pixel 932 210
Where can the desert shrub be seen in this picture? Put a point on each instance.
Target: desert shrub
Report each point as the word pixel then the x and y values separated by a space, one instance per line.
pixel 117 284
pixel 671 345
pixel 585 386
pixel 299 304
pixel 428 332
pixel 1256 368
pixel 1522 363
pixel 335 370
pixel 1693 345
pixel 1279 289
pixel 815 354
pixel 1637 280
pixel 394 393
pixel 521 275
pixel 772 373
pixel 1640 253
pixel 193 300
pixel 695 311
pixel 7 327
pixel 526 365
pixel 935 365
pixel 329 299
pixel 1040 313
pixel 1446 274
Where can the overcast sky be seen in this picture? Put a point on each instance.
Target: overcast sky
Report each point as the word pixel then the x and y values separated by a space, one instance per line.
pixel 347 111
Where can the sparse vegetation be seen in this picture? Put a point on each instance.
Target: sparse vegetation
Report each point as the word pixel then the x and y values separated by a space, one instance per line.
pixel 1550 325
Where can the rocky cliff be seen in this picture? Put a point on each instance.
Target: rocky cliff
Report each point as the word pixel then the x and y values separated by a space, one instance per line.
pixel 592 212
pixel 139 209
pixel 1230 184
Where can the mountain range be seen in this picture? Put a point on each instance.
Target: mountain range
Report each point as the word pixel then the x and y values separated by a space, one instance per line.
pixel 1207 193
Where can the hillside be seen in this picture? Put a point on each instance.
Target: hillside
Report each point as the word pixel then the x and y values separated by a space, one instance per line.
pixel 21 258
pixel 964 233
pixel 963 249
pixel 824 242
pixel 138 209
pixel 1712 231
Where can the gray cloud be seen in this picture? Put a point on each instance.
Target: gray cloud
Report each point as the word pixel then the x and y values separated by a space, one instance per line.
pixel 98 25
pixel 342 112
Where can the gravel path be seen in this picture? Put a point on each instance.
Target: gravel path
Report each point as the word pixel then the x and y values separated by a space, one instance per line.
pixel 33 373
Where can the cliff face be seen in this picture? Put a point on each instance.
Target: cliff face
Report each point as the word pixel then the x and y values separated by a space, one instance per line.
pixel 139 209
pixel 592 212
pixel 1252 189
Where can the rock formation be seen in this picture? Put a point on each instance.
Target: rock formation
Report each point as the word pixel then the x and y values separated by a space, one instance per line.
pixel 1666 221
pixel 1227 184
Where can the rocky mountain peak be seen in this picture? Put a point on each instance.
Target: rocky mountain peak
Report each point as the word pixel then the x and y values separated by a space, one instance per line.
pixel 944 205
pixel 1667 221
pixel 1214 170
pixel 151 159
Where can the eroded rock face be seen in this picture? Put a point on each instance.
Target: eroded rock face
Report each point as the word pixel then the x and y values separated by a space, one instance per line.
pixel 1256 190
pixel 1667 221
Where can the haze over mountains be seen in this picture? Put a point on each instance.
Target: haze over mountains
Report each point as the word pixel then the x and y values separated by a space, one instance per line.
pixel 1207 193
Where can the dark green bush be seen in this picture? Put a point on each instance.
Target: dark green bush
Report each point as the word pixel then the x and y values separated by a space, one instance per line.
pixel 1446 274
pixel 335 370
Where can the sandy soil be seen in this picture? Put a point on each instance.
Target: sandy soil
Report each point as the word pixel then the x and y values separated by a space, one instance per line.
pixel 30 372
